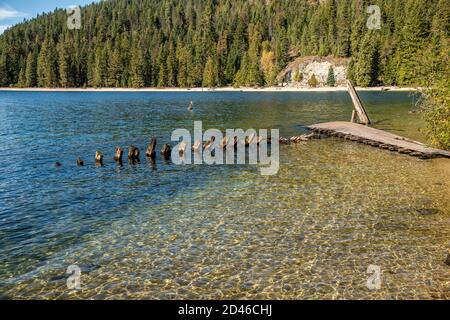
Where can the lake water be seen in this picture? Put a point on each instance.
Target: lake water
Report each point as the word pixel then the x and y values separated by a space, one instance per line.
pixel 160 231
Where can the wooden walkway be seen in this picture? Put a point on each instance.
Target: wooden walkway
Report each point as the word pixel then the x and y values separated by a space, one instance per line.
pixel 377 138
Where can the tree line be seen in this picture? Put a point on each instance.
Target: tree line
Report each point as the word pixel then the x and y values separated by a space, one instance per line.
pixel 189 43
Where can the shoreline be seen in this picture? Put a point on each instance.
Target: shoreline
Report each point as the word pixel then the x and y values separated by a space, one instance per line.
pixel 222 89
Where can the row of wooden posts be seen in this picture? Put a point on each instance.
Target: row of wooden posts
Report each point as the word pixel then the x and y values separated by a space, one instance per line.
pixel 166 150
pixel 133 153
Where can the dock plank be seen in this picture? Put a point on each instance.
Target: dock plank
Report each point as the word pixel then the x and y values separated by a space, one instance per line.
pixel 378 138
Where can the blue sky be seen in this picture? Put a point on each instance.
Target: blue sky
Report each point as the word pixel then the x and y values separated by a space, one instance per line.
pixel 14 11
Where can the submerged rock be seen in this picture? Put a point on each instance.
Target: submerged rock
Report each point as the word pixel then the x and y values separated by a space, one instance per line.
pixel 390 226
pixel 80 162
pixel 428 211
pixel 58 164
pixel 301 237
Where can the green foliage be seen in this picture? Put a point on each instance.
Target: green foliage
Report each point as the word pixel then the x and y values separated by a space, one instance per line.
pixel 367 62
pixel 413 38
pixel 312 82
pixel 169 42
pixel 434 75
pixel 210 74
pixel 331 79
pixel 268 67
pixel 298 76
pixel 3 71
pixel 137 68
pixel 437 115
pixel 47 67
pixel 30 73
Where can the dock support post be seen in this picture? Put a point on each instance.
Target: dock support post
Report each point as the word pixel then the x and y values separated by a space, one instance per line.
pixel 359 108
pixel 353 116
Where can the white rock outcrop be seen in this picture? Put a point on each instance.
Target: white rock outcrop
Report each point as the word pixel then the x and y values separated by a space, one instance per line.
pixel 299 71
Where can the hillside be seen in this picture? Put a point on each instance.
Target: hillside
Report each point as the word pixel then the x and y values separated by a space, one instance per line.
pixel 187 43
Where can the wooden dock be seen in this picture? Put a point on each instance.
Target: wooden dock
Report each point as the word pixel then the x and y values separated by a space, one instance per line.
pixel 362 133
pixel 378 138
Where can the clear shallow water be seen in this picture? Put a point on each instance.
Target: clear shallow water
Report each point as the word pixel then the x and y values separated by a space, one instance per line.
pixel 163 231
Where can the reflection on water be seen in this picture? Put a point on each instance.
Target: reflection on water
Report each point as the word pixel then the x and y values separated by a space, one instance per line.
pixel 155 230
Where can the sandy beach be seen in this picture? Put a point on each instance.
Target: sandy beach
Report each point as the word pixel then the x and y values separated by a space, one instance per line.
pixel 222 89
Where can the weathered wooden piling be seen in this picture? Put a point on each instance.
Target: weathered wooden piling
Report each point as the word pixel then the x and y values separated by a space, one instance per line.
pixel 166 151
pixel 151 149
pixel 118 154
pixel 133 153
pixel 447 262
pixel 197 145
pixel 295 139
pixel 98 158
pixel 250 140
pixel 224 143
pixel 182 147
pixel 208 144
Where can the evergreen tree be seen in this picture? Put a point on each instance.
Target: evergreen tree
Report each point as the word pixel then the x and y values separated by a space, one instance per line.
pixel 65 71
pixel 22 78
pixel 249 42
pixel 366 67
pixel 137 72
pixel 268 67
pixel 210 74
pixel 30 73
pixel 412 42
pixel 162 76
pixel 331 79
pixel 172 67
pixel 114 70
pixel 47 67
pixel 343 32
pixel 100 67
pixel 3 71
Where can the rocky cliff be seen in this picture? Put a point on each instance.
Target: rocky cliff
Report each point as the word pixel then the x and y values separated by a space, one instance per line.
pixel 299 72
